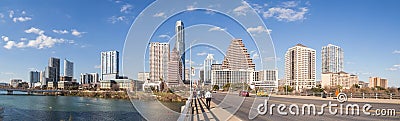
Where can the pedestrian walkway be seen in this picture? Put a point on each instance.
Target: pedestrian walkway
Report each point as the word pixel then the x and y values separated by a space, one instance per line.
pixel 366 100
pixel 200 112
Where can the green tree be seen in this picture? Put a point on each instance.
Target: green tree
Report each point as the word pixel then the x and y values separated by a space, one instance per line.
pixel 215 87
pixel 226 86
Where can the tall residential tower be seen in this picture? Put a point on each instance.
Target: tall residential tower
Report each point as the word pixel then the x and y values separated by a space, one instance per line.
pixel 180 44
pixel 68 68
pixel 159 57
pixel 109 65
pixel 300 67
pixel 332 59
pixel 207 68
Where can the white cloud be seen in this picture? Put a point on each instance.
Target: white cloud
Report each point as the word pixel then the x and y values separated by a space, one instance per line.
pixel 11 14
pixel 190 7
pixel 97 66
pixel 23 12
pixel 396 52
pixel 286 14
pixel 164 36
pixel 392 69
pixel 398 65
pixel 1 15
pixel 5 38
pixel 77 33
pixel 258 29
pixel 161 14
pixel 126 8
pixel 21 19
pixel 61 31
pixel 34 30
pixel 201 53
pixel 242 10
pixel 290 4
pixel 255 56
pixel 216 29
pixel 11 44
pixel 41 41
pixel 115 19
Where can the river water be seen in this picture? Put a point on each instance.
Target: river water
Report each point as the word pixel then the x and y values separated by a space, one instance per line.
pixel 56 108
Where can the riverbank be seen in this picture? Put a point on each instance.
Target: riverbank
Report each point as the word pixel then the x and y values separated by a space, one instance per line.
pixel 99 94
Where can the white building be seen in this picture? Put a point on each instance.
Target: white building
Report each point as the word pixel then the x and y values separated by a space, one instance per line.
pixel 143 76
pixel 159 57
pixel 89 78
pixel 223 77
pixel 266 79
pixel 68 68
pixel 109 65
pixel 343 79
pixel 300 67
pixel 332 59
pixel 207 68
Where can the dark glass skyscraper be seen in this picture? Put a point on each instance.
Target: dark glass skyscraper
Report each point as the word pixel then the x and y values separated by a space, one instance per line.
pixel 180 44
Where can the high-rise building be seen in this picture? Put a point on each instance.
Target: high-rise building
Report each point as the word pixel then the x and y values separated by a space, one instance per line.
pixel 300 67
pixel 109 65
pixel 68 68
pixel 237 57
pixel 332 59
pixel 343 79
pixel 89 78
pixel 159 57
pixel 174 69
pixel 378 82
pixel 207 68
pixel 53 72
pixel 180 44
pixel 201 76
pixel 216 66
pixel 34 76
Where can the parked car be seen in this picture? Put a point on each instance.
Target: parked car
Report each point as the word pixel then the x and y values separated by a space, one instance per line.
pixel 244 93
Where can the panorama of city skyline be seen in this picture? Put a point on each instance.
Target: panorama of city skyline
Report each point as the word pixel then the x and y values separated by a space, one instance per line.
pixel 31 33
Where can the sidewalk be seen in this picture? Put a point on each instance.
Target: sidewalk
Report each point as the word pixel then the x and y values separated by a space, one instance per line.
pixel 366 100
pixel 200 112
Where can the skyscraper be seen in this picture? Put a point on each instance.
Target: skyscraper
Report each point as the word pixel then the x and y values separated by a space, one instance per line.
pixel 174 69
pixel 68 68
pixel 159 57
pixel 109 65
pixel 34 76
pixel 180 44
pixel 300 67
pixel 332 59
pixel 237 57
pixel 207 68
pixel 53 71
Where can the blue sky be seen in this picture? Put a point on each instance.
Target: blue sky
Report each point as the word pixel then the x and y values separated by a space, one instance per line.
pixel 80 30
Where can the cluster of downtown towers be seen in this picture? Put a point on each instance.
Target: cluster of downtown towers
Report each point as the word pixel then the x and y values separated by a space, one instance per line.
pixel 237 66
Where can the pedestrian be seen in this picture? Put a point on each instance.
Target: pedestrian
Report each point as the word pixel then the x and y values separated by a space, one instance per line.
pixel 208 99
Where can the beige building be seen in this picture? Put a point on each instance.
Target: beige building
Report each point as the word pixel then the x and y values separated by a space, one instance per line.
pixel 343 79
pixel 377 81
pixel 174 69
pixel 159 57
pixel 300 67
pixel 143 76
pixel 237 57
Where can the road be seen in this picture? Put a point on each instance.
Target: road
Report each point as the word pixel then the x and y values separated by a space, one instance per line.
pixel 243 111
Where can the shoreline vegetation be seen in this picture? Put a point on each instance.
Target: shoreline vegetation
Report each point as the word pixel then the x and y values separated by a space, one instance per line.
pixel 161 96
